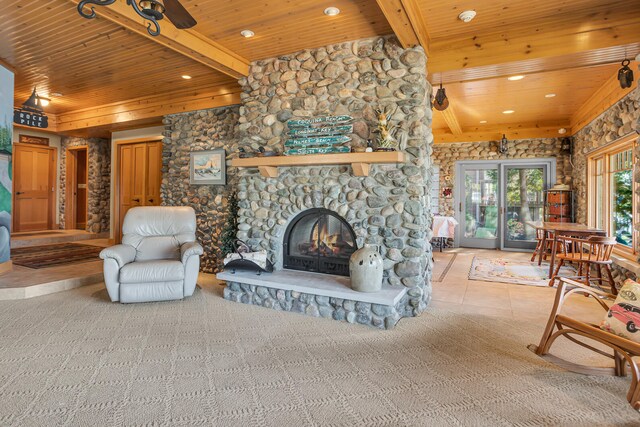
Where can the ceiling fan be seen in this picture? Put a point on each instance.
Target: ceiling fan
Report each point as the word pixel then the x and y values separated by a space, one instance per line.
pixel 151 10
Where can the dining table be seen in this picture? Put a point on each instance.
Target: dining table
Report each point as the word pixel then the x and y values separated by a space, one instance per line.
pixel 558 229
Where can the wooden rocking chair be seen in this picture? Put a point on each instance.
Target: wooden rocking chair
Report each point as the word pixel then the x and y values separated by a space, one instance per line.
pixel 623 350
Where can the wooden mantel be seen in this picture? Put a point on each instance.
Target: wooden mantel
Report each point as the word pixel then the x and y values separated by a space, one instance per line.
pixel 360 162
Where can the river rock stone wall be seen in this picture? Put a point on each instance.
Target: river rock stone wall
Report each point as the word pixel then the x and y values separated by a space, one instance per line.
pixel 197 131
pixel 390 207
pixel 621 120
pixel 376 315
pixel 99 185
pixel 445 156
pixel 618 121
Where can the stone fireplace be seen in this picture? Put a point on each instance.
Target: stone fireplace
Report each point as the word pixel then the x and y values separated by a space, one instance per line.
pixel 313 217
pixel 319 240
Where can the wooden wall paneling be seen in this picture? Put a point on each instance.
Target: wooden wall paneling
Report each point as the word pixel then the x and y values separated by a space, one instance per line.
pixel 149 107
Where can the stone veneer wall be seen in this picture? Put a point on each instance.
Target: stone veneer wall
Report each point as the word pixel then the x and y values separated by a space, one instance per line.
pixel 99 185
pixel 390 207
pixel 445 156
pixel 197 131
pixel 620 120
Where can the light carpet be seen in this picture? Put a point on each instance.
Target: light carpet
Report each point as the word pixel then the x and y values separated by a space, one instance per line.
pixel 75 359
pixel 513 271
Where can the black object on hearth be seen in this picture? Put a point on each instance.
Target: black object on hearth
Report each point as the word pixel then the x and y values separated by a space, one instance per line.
pixel 319 240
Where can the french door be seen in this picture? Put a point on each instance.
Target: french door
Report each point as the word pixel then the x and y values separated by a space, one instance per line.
pixel 496 200
pixel 479 205
pixel 523 200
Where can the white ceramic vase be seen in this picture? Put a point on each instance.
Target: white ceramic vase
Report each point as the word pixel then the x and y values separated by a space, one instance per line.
pixel 365 268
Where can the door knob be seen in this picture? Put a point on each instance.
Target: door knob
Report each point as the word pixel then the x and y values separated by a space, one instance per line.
pixel 136 200
pixel 150 200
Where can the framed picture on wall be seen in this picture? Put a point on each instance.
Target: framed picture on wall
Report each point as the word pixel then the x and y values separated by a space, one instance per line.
pixel 208 167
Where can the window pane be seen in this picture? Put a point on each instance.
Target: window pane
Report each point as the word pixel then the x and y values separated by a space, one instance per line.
pixel 599 203
pixel 622 207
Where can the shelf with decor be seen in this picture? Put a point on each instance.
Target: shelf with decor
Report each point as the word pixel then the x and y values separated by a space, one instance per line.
pixel 360 162
pixel 558 205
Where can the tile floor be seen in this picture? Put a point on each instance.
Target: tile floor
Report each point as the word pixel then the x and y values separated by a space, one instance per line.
pixel 460 294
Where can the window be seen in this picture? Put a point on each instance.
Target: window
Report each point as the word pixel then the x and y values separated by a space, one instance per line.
pixel 610 181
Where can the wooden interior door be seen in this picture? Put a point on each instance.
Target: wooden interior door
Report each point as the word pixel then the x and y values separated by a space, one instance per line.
pixel 139 178
pixel 33 189
pixel 154 173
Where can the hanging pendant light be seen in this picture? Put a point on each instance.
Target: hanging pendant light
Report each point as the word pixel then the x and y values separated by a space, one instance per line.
pixel 440 102
pixel 625 75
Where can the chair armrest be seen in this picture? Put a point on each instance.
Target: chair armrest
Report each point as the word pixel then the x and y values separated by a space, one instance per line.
pixel 188 249
pixel 583 288
pixel 122 254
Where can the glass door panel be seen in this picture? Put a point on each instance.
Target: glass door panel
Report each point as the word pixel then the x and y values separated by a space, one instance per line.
pixel 479 210
pixel 523 189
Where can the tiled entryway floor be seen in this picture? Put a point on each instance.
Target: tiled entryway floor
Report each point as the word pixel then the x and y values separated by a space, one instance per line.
pixel 531 303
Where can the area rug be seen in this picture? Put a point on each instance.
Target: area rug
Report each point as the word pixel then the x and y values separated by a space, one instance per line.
pixel 442 264
pixel 76 359
pixel 54 255
pixel 512 271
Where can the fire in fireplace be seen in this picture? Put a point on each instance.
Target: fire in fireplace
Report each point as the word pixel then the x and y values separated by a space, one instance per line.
pixel 319 240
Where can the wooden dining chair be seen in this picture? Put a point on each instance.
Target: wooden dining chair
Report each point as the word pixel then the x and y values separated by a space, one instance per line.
pixel 587 254
pixel 539 251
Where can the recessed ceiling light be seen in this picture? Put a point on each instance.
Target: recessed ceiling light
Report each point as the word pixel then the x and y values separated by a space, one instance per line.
pixel 247 33
pixel 186 77
pixel 483 121
pixel 331 11
pixel 562 131
pixel 514 78
pixel 508 112
pixel 467 15
pixel 58 94
pixel 550 95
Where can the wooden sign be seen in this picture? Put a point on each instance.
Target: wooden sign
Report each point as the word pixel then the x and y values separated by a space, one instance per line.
pixel 325 120
pixel 36 140
pixel 316 150
pixel 30 118
pixel 317 141
pixel 325 130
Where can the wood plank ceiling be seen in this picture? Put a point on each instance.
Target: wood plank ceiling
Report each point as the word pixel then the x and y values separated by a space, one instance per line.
pixel 90 62
pixel 564 47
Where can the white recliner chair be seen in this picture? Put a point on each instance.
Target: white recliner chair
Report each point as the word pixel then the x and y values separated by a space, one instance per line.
pixel 158 259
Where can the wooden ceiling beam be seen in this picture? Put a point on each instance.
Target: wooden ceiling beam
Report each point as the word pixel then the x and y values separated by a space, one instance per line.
pixel 407 22
pixel 494 133
pixel 145 109
pixel 500 48
pixel 451 119
pixel 602 99
pixel 189 43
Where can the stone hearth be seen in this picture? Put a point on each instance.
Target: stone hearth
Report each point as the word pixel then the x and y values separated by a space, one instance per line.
pixel 316 294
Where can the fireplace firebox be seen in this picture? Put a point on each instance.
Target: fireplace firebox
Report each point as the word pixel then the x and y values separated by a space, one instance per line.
pixel 319 240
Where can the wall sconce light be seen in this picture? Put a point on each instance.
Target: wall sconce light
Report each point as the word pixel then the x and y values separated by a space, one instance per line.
pixel 503 147
pixel 625 75
pixel 566 145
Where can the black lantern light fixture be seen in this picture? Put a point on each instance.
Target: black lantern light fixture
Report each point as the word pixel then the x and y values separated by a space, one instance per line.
pixel 503 146
pixel 440 101
pixel 625 75
pixel 151 10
